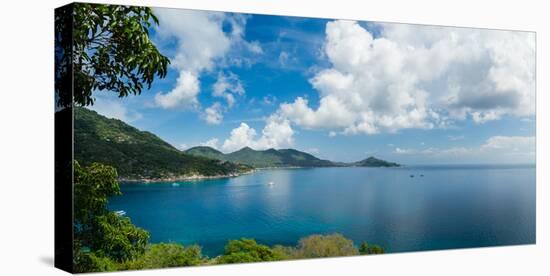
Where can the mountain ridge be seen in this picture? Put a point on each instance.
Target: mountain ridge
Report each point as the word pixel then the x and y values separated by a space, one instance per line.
pixel 281 158
pixel 372 161
pixel 262 158
pixel 140 155
pixel 143 156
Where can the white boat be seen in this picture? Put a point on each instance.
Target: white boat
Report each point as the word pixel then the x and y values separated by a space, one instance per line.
pixel 175 184
pixel 270 183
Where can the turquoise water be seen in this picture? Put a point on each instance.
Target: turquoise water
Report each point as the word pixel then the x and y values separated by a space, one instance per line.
pixel 448 207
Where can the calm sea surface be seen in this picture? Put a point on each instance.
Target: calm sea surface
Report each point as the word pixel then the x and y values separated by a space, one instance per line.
pixel 447 207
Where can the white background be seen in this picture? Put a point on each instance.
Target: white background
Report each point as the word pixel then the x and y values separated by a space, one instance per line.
pixel 26 133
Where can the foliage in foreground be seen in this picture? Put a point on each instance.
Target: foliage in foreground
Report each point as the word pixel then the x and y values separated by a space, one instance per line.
pixel 319 246
pixel 101 237
pixel 166 255
pixel 104 47
pixel 106 241
pixel 366 249
pixel 247 251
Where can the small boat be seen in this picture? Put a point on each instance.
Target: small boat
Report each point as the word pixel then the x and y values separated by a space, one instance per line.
pixel 411 176
pixel 421 175
pixel 175 184
pixel 270 183
pixel 120 213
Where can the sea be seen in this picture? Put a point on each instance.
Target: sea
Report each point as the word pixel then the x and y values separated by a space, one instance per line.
pixel 404 209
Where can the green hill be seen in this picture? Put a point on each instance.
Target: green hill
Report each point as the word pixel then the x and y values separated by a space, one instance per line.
pixel 263 158
pixel 207 152
pixel 374 162
pixel 281 158
pixel 138 154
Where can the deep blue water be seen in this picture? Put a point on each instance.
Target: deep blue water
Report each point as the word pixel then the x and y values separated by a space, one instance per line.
pixel 449 207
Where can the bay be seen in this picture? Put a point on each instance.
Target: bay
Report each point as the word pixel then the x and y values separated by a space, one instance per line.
pixel 403 209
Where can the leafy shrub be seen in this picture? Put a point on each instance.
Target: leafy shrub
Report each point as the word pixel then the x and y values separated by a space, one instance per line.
pixel 166 255
pixel 366 249
pixel 90 262
pixel 118 238
pixel 101 231
pixel 318 246
pixel 246 251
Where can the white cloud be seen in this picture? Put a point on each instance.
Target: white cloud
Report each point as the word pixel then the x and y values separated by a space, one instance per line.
pixel 196 51
pixel 114 109
pixel 417 77
pixel 277 133
pixel 332 113
pixel 498 149
pixel 254 47
pixel 213 143
pixel 483 117
pixel 226 86
pixel 403 151
pixel 184 95
pixel 201 45
pixel 213 114
pixel 240 137
pixel 239 45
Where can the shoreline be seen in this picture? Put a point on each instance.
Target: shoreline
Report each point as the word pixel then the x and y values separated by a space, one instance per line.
pixel 197 177
pixel 185 178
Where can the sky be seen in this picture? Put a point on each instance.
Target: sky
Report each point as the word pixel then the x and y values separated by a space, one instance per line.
pixel 341 90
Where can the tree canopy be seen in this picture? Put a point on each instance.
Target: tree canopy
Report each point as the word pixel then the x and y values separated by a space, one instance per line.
pixel 246 251
pixel 104 47
pixel 166 255
pixel 99 234
pixel 317 246
pixel 366 249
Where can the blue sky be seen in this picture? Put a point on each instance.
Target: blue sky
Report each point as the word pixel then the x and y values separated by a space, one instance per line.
pixel 341 90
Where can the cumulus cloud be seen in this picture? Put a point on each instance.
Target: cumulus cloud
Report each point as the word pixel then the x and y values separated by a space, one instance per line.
pixel 213 143
pixel 332 113
pixel 196 51
pixel 417 77
pixel 277 133
pixel 241 136
pixel 184 95
pixel 495 149
pixel 227 86
pixel 202 45
pixel 213 114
